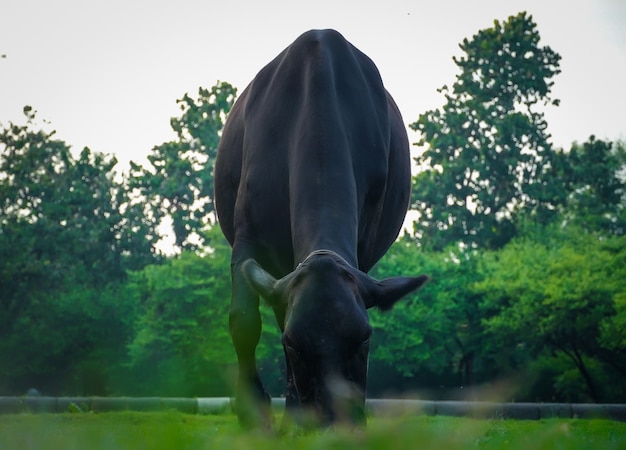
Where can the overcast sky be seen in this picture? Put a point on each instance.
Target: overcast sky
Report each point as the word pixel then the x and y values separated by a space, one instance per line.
pixel 107 74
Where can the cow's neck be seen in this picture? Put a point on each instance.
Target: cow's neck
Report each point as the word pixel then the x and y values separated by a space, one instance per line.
pixel 323 199
pixel 329 224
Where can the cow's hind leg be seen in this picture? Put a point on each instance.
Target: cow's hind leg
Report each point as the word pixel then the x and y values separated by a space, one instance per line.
pixel 252 403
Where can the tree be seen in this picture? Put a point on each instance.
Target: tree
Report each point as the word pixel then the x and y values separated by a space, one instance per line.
pixel 434 337
pixel 559 291
pixel 72 209
pixel 181 344
pixel 180 337
pixel 179 182
pixel 593 175
pixel 487 152
pixel 66 241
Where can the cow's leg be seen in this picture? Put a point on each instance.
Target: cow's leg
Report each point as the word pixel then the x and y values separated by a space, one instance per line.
pixel 292 401
pixel 252 403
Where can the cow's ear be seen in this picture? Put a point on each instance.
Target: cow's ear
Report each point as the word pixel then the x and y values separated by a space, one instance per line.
pixel 262 282
pixel 385 293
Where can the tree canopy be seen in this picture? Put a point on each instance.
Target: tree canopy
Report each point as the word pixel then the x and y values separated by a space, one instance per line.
pixel 487 152
pixel 178 184
pixel 560 292
pixel 593 176
pixel 67 238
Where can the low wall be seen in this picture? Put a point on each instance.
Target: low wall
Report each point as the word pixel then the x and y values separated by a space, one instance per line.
pixel 375 407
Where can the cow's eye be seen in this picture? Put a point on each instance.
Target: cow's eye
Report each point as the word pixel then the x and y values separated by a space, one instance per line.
pixel 292 352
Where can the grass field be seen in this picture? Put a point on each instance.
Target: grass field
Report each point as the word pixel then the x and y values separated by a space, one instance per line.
pixel 172 430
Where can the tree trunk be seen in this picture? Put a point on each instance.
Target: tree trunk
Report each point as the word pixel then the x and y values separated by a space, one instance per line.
pixel 577 358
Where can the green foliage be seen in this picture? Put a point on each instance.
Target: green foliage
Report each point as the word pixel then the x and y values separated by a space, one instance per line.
pixel 487 153
pixel 181 345
pixel 66 342
pixel 65 209
pixel 179 181
pixel 66 241
pixel 593 176
pixel 540 230
pixel 552 377
pixel 181 334
pixel 557 292
pixel 437 330
pixel 493 317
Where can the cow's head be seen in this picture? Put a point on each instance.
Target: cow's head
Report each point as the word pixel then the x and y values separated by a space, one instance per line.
pixel 326 330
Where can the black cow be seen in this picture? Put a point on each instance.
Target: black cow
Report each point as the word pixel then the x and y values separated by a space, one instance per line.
pixel 312 184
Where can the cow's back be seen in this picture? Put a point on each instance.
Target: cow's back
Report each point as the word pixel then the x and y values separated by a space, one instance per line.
pixel 314 155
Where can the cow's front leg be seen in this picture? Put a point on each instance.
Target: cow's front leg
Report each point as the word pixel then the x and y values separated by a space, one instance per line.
pixel 252 402
pixel 292 401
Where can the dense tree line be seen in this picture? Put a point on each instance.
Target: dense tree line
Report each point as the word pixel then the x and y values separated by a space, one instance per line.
pixel 525 245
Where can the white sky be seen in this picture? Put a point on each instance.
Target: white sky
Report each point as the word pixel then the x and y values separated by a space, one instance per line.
pixel 107 74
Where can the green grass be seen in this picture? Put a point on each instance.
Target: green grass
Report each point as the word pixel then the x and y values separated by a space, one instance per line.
pixel 133 430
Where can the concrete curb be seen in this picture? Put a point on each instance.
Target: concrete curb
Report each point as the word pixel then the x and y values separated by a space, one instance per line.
pixel 375 407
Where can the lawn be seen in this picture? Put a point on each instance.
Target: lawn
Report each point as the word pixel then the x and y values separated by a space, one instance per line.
pixel 173 430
